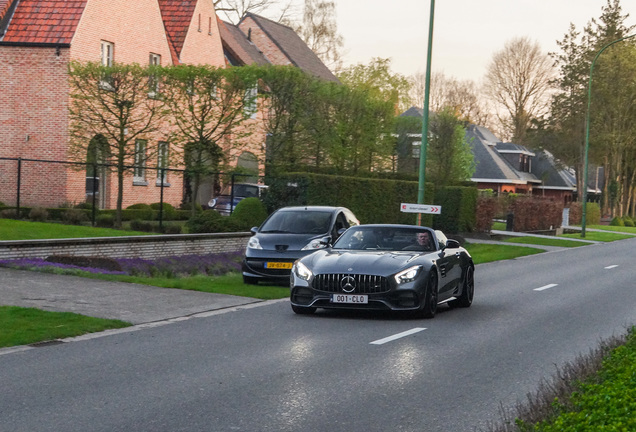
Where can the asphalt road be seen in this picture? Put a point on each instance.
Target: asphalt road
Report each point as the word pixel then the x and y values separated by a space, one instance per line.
pixel 262 368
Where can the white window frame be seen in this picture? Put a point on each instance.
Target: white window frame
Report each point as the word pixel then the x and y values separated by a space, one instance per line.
pixel 163 149
pixel 153 82
pixel 107 59
pixel 139 172
pixel 250 101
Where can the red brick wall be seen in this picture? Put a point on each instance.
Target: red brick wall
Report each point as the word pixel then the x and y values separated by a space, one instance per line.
pixel 33 119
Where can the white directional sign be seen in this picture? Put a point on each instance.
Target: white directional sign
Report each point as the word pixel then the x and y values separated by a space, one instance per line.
pixel 420 208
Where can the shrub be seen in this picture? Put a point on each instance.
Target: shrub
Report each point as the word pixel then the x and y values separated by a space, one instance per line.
pixel 169 212
pixel 84 205
pixel 206 222
pixel 592 216
pixel 9 214
pixel 486 210
pixel 74 216
pixel 629 222
pixel 2 204
pixel 141 225
pixel 617 222
pixel 142 211
pixel 536 214
pixel 105 220
pixel 172 229
pixel 248 213
pixel 38 214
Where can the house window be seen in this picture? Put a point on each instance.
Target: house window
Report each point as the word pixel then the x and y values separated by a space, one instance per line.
pixel 162 162
pixel 153 81
pixel 250 101
pixel 210 26
pixel 108 53
pixel 199 22
pixel 107 56
pixel 139 173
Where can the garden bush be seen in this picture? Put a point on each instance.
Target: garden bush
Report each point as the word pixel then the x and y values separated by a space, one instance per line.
pixel 617 222
pixel 38 214
pixel 536 214
pixel 485 213
pixel 105 221
pixel 172 229
pixel 143 211
pixel 74 216
pixel 9 214
pixel 141 225
pixel 592 216
pixel 169 212
pixel 628 221
pixel 249 212
pixel 206 222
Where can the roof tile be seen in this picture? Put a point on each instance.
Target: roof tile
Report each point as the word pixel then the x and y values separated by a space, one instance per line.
pixel 44 21
pixel 177 16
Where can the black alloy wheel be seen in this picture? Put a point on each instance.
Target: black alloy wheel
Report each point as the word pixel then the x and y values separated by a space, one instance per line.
pixel 430 297
pixel 468 290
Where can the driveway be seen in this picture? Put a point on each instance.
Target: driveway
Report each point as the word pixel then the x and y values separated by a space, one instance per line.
pixel 133 303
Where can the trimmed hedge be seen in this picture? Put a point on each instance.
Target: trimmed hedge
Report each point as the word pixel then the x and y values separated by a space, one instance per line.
pixel 459 207
pixel 248 213
pixel 536 214
pixel 592 215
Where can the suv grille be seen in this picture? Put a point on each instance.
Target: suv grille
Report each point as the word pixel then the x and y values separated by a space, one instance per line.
pixel 361 284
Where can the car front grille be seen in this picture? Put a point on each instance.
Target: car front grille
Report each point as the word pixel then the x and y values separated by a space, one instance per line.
pixel 351 283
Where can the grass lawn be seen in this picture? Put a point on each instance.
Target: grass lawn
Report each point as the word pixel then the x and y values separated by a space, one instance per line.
pixel 622 229
pixel 541 241
pixel 22 326
pixel 483 253
pixel 11 229
pixel 598 236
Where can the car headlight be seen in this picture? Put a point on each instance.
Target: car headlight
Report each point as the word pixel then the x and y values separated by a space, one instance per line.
pixel 253 243
pixel 212 203
pixel 315 244
pixel 302 271
pixel 408 275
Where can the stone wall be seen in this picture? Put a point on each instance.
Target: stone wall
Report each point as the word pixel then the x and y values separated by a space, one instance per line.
pixel 152 246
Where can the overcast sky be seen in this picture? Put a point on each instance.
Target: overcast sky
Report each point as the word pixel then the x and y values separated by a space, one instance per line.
pixel 466 32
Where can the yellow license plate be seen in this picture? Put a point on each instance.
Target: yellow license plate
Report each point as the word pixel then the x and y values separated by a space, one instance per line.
pixel 278 265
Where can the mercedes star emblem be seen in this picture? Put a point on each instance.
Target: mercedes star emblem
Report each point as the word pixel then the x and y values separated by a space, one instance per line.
pixel 348 284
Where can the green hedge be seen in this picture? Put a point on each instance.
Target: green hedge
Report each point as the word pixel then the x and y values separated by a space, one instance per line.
pixel 375 200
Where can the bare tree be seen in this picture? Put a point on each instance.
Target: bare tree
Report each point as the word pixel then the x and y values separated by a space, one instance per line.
pixel 462 97
pixel 518 81
pixel 320 32
pixel 235 10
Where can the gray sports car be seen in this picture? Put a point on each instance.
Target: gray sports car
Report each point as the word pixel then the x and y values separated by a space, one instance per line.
pixel 385 267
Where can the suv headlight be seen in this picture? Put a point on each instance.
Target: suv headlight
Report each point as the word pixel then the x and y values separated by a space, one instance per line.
pixel 212 203
pixel 302 271
pixel 408 275
pixel 253 243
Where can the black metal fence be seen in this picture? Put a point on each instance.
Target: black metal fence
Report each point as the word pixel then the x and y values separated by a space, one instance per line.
pixel 11 181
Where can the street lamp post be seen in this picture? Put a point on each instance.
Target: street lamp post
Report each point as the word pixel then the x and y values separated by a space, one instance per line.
pixel 587 132
pixel 424 143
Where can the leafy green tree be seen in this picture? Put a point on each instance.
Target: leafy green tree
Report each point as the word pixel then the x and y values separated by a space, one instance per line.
pixel 378 76
pixel 209 107
pixel 449 156
pixel 115 106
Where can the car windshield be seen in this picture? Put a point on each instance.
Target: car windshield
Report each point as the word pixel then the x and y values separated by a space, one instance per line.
pixel 298 222
pixel 387 239
pixel 242 190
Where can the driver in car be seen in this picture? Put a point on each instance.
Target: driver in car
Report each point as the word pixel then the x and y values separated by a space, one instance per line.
pixel 422 242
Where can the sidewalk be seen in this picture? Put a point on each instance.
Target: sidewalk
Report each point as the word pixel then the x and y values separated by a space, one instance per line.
pixel 133 303
pixel 521 234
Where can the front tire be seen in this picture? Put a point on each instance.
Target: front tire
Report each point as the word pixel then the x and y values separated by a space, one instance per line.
pixel 303 310
pixel 468 290
pixel 430 297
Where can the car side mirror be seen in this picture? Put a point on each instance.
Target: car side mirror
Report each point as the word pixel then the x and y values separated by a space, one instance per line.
pixel 326 241
pixel 340 231
pixel 453 244
pixel 254 230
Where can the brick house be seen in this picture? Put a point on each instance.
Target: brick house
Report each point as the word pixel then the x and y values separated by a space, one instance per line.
pixel 38 39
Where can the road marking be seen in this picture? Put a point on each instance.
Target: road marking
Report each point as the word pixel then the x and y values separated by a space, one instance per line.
pixel 611 267
pixel 398 336
pixel 545 287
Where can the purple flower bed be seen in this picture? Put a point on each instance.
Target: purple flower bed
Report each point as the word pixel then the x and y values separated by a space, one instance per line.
pixel 175 266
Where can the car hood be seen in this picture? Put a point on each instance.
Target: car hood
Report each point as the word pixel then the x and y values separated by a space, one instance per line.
pixel 285 242
pixel 362 262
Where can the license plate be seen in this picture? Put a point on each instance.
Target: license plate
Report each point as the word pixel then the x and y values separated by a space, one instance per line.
pixel 278 265
pixel 349 298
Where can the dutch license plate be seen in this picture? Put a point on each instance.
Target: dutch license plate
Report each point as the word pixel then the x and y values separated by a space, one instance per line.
pixel 349 298
pixel 278 265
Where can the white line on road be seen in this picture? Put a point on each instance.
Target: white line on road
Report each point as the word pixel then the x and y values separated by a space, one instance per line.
pixel 398 336
pixel 611 267
pixel 545 287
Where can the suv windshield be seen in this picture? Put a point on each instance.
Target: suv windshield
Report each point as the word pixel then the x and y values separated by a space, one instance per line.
pixel 242 190
pixel 298 222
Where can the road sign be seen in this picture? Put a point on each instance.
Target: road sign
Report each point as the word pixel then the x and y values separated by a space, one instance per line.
pixel 420 208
